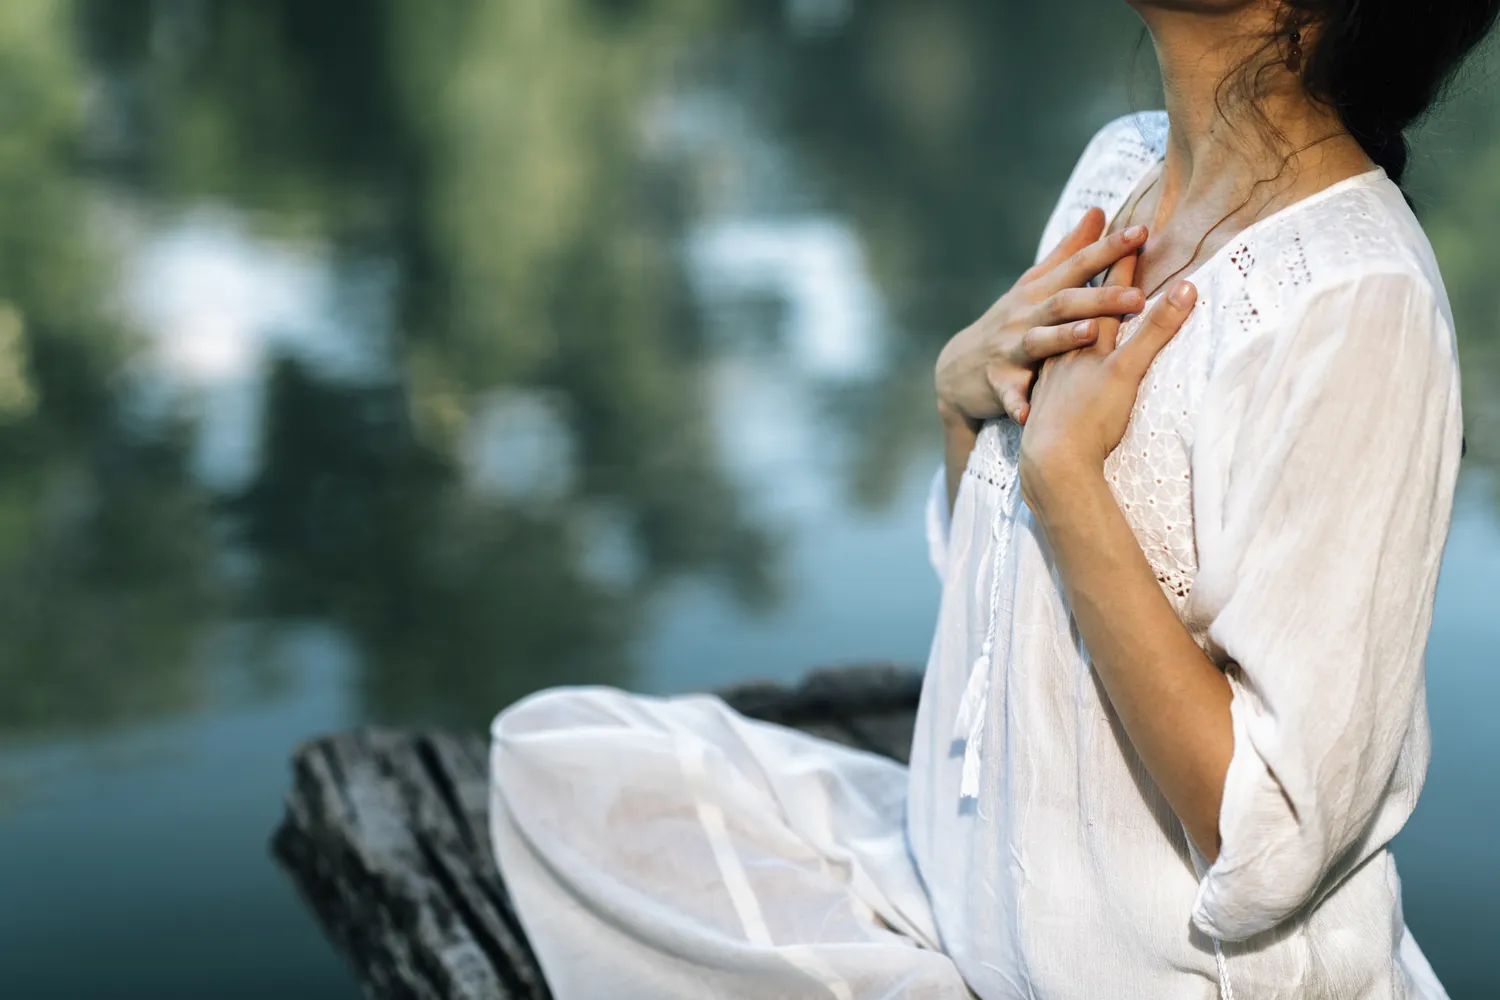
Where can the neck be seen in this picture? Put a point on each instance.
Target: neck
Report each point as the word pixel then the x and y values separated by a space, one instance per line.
pixel 1218 143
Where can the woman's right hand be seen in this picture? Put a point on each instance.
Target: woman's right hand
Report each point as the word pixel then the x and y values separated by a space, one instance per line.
pixel 987 369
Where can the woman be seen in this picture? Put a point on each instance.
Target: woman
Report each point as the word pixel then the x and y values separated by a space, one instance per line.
pixel 1174 712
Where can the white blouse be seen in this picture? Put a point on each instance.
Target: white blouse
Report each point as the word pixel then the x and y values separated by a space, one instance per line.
pixel 1289 471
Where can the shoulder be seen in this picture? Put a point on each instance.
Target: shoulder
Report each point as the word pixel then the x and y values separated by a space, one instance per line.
pixel 1364 230
pixel 1113 161
pixel 1332 312
pixel 1141 135
pixel 1354 257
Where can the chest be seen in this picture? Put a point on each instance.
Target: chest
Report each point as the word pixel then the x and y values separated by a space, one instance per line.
pixel 1195 233
pixel 1175 254
pixel 1150 473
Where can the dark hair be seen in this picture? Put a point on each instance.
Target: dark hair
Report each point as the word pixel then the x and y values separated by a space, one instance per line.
pixel 1381 64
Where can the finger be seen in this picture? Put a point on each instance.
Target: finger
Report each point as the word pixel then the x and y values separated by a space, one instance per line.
pixel 1072 304
pixel 1043 342
pixel 1012 387
pixel 1158 327
pixel 1122 272
pixel 1080 266
pixel 1119 280
pixel 1013 398
pixel 1088 230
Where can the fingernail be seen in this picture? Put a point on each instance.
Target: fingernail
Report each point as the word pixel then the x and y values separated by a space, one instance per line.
pixel 1133 298
pixel 1134 233
pixel 1084 330
pixel 1182 294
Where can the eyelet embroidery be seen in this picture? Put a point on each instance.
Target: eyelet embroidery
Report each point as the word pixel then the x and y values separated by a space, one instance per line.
pixel 1239 300
pixel 1150 474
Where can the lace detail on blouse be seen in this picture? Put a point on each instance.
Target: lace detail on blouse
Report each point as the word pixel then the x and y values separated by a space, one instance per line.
pixel 1150 472
pixel 1244 291
pixel 996 457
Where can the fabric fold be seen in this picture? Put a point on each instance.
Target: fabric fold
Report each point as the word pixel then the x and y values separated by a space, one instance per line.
pixel 1317 584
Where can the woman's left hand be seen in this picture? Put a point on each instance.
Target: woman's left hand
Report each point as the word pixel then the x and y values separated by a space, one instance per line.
pixel 1081 403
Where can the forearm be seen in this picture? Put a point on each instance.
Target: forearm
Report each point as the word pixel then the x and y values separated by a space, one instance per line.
pixel 1171 698
pixel 959 435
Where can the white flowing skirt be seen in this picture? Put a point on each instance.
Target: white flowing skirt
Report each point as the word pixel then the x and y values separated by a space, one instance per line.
pixel 665 848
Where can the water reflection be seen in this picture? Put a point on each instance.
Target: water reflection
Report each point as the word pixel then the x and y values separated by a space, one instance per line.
pixel 488 158
pixel 508 344
pixel 104 539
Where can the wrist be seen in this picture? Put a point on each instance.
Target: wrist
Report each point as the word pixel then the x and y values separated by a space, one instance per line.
pixel 955 419
pixel 1055 479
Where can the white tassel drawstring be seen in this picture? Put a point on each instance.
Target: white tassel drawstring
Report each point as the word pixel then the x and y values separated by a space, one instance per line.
pixel 968 725
pixel 969 722
pixel 1226 991
pixel 974 694
pixel 968 787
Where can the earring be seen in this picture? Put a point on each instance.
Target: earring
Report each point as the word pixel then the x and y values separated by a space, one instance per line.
pixel 1294 54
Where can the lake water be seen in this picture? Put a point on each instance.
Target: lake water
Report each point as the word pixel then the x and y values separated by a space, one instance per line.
pixel 384 360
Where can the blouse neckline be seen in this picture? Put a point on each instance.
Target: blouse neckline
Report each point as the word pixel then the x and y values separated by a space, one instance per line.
pixel 1370 176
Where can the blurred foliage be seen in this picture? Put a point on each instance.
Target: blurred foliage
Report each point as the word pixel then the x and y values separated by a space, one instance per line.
pixel 103 544
pixel 1456 179
pixel 500 158
pixel 490 152
pixel 922 125
pixel 459 605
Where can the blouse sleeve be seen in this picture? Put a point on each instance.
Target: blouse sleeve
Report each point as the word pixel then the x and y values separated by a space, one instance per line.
pixel 1325 466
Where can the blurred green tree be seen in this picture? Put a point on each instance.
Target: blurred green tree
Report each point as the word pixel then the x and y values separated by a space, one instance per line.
pixel 104 553
pixel 489 153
